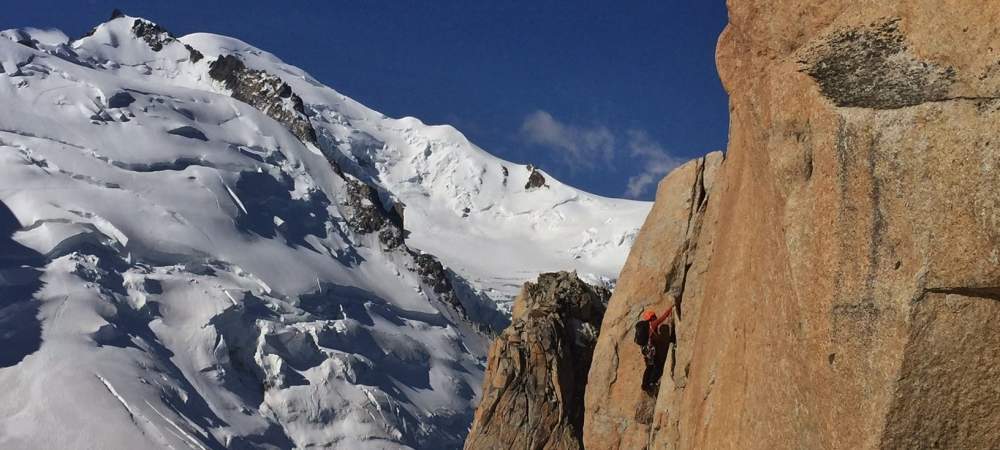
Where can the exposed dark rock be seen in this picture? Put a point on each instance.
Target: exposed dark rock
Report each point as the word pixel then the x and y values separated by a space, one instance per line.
pixel 872 67
pixel 120 100
pixel 195 54
pixel 391 237
pixel 227 69
pixel 154 35
pixel 535 180
pixel 433 272
pixel 396 214
pixel 189 132
pixel 368 216
pixel 533 391
pixel 265 92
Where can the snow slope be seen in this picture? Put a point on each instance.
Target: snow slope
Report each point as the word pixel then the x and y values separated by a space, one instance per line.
pixel 180 268
pixel 461 202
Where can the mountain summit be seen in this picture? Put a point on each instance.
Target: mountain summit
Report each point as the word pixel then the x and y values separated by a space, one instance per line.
pixel 213 249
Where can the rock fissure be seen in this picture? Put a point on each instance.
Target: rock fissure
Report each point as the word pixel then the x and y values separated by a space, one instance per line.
pixel 991 292
pixel 692 234
pixel 658 274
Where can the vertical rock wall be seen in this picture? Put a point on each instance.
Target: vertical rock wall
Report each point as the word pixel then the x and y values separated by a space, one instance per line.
pixel 661 271
pixel 842 288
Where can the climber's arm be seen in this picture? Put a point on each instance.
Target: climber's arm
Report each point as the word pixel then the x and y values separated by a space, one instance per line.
pixel 661 318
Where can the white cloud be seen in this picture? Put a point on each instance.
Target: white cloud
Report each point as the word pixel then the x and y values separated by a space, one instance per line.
pixel 580 147
pixel 656 162
pixel 591 148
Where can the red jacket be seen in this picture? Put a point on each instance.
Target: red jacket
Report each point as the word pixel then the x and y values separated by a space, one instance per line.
pixel 654 325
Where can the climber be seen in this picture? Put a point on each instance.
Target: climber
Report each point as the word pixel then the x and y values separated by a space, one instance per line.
pixel 649 336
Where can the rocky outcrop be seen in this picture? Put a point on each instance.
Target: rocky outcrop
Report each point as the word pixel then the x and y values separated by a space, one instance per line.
pixel 535 179
pixel 537 368
pixel 265 92
pixel 368 215
pixel 434 275
pixel 156 36
pixel 838 283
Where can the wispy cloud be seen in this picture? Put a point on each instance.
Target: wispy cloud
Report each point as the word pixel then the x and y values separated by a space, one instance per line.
pixel 588 148
pixel 657 162
pixel 581 148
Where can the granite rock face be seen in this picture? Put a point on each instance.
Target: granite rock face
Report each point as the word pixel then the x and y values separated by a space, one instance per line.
pixel 537 368
pixel 841 276
pixel 659 273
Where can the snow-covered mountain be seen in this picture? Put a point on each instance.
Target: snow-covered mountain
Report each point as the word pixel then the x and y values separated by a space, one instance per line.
pixel 202 246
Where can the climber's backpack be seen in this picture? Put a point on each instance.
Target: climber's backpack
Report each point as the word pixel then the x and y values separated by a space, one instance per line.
pixel 642 332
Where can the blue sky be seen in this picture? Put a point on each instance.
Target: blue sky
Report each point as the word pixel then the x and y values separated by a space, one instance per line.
pixel 606 96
